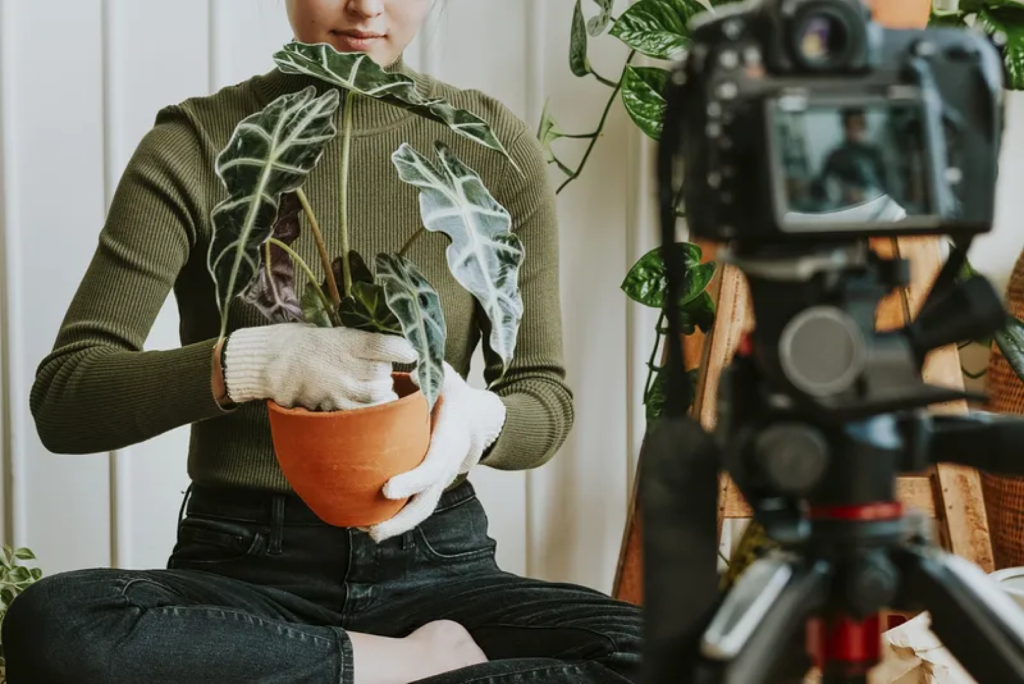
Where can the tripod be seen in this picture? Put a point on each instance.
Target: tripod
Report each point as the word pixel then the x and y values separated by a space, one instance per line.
pixel 818 415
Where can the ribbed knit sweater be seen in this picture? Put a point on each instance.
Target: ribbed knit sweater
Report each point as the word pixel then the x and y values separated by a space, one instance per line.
pixel 99 391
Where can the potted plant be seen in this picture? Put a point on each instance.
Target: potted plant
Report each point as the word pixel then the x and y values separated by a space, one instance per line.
pixel 264 167
pixel 14 579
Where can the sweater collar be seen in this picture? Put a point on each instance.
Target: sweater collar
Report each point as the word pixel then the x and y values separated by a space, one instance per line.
pixel 368 115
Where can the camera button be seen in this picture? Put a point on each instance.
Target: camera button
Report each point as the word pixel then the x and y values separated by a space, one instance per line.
pixel 727 90
pixel 729 59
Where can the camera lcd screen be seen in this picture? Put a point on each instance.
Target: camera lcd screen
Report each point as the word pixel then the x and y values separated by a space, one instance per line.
pixel 850 164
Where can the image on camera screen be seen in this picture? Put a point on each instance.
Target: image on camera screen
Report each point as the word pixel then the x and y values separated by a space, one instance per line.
pixel 858 163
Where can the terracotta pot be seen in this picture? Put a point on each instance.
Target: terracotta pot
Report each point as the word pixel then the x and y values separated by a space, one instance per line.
pixel 338 461
pixel 1004 496
pixel 901 14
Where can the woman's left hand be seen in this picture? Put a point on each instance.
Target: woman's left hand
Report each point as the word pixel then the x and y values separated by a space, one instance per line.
pixel 468 421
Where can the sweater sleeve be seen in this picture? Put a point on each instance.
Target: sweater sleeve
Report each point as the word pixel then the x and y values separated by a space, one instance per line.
pixel 97 390
pixel 538 401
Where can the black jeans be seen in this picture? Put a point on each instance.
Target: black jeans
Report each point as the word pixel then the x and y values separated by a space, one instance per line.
pixel 258 589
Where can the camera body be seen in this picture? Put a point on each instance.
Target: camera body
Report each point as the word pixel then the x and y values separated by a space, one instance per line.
pixel 805 120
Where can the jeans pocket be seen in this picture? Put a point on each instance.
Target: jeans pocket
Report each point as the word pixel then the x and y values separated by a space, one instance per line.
pixel 205 541
pixel 458 533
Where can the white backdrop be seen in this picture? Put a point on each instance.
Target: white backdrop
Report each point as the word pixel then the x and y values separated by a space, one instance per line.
pixel 80 83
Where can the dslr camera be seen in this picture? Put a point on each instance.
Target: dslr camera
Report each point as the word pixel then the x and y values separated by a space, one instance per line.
pixel 804 119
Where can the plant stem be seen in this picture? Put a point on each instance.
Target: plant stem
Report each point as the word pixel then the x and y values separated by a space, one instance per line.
pixel 561 165
pixel 602 79
pixel 600 128
pixel 408 243
pixel 309 274
pixel 346 158
pixel 321 246
pixel 654 353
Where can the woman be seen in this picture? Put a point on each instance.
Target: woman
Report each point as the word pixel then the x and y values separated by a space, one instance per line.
pixel 257 588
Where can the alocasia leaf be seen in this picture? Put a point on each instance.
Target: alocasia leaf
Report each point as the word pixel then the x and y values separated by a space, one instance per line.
pixel 647 282
pixel 1010 22
pixel 273 289
pixel 597 25
pixel 1011 343
pixel 657 28
pixel 367 309
pixel 313 308
pixel 418 308
pixel 270 153
pixel 579 64
pixel 355 71
pixel 643 96
pixel 484 255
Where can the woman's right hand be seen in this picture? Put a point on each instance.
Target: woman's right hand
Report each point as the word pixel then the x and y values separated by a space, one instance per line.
pixel 320 369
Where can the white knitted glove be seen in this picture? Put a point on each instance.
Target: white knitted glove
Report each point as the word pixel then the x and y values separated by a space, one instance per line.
pixel 325 369
pixel 468 421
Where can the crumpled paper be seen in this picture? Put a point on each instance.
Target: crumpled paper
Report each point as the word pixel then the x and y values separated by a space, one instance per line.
pixel 912 654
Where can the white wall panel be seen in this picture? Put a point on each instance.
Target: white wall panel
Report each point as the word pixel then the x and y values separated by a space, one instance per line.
pixel 54 194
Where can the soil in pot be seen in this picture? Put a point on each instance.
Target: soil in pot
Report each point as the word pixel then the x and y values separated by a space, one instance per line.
pixel 339 461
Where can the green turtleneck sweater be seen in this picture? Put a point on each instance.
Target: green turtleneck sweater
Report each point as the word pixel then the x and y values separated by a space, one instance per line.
pixel 99 391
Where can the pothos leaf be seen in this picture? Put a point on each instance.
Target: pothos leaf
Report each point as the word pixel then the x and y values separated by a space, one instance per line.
pixel 657 393
pixel 367 309
pixel 579 64
pixel 1009 22
pixel 24 554
pixel 1011 343
pixel 548 132
pixel 657 28
pixel 313 309
pixel 700 312
pixel 270 153
pixel 597 25
pixel 355 71
pixel 484 255
pixel 418 308
pixel 647 282
pixel 273 289
pixel 643 96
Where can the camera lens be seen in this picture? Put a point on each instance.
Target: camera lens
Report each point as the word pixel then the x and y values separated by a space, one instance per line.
pixel 824 36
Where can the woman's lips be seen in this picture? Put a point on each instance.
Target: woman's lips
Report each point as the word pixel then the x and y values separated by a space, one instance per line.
pixel 355 41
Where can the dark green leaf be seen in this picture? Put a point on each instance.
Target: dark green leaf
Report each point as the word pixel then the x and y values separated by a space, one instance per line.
pixel 270 153
pixel 658 393
pixel 701 311
pixel 597 25
pixel 418 308
pixel 1008 22
pixel 367 309
pixel 578 62
pixel 7 596
pixel 19 575
pixel 1011 343
pixel 36 573
pixel 355 71
pixel 484 255
pixel 657 28
pixel 643 96
pixel 273 289
pixel 647 282
pixel 24 554
pixel 313 308
pixel 361 273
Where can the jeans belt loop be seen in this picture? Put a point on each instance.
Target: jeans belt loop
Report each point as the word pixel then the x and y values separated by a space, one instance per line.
pixel 276 524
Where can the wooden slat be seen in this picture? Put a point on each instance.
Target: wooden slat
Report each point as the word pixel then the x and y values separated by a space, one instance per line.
pixel 914 492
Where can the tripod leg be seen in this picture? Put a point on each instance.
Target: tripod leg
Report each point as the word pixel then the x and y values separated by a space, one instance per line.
pixel 759 620
pixel 979 624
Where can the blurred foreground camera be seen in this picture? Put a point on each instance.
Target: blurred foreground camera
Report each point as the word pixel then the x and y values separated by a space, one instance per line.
pixel 804 119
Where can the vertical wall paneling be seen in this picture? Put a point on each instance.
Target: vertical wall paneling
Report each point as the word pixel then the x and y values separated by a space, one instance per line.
pixel 6 518
pixel 247 33
pixel 54 186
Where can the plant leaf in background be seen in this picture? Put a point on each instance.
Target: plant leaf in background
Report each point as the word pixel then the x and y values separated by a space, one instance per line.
pixel 484 255
pixel 1009 22
pixel 355 71
pixel 643 91
pixel 273 289
pixel 698 313
pixel 313 310
pixel 418 309
pixel 578 62
pixel 657 393
pixel 946 20
pixel 657 28
pixel 367 309
pixel 270 153
pixel 548 132
pixel 647 282
pixel 599 24
pixel 1011 343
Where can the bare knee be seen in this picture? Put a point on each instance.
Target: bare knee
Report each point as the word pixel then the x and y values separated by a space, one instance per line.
pixel 53 631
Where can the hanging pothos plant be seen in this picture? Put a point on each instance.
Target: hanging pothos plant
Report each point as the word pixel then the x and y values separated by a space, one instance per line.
pixel 264 167
pixel 659 30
